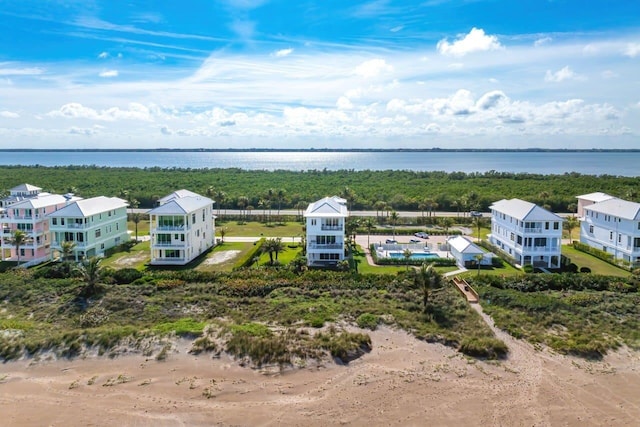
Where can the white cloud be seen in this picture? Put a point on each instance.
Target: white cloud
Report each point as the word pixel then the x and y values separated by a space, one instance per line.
pixel 542 41
pixel 283 52
pixel 78 111
pixel 396 29
pixel 26 71
pixel 561 75
pixel 103 55
pixel 344 103
pixel 632 50
pixel 85 131
pixel 475 41
pixel 373 68
pixel 9 114
pixel 109 73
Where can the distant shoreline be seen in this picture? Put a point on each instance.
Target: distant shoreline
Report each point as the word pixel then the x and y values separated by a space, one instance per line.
pixel 327 150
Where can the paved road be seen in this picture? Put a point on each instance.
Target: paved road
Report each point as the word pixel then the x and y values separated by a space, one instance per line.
pixel 292 212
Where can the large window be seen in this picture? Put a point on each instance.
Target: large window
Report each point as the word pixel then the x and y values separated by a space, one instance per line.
pixel 539 242
pixel 329 257
pixel 325 240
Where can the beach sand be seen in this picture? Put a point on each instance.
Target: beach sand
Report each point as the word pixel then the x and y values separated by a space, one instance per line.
pixel 402 381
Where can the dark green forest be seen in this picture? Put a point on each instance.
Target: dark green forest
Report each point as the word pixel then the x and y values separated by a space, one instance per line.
pixel 366 190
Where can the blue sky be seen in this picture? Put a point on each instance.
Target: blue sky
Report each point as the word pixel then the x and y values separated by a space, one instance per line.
pixel 295 74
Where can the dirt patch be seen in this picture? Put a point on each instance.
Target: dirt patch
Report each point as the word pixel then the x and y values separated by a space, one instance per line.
pixel 221 257
pixel 130 260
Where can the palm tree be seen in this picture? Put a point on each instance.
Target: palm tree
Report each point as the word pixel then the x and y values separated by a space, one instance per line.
pixel 272 246
pixel 427 279
pixel 220 196
pixel 18 239
pixel 571 223
pixel 369 225
pixel 89 271
pixel 280 196
pixel 407 254
pixel 478 258
pixel 67 247
pixel 394 219
pixel 242 203
pixel 348 194
pixel 478 221
pixel 278 247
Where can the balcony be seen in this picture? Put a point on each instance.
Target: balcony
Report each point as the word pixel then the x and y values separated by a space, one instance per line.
pixel 532 230
pixel 538 249
pixel 170 228
pixel 325 246
pixel 78 245
pixel 169 244
pixel 331 227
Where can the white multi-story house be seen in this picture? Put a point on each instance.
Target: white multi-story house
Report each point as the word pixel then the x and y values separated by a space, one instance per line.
pixel 589 199
pixel 325 237
pixel 182 228
pixel 93 225
pixel 20 193
pixel 526 232
pixel 28 213
pixel 613 226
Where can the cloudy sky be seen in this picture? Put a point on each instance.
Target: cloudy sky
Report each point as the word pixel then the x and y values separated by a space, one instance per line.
pixel 331 73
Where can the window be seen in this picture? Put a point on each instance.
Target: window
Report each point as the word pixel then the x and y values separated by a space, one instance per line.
pixel 611 235
pixel 203 215
pixel 61 221
pixel 519 240
pixel 193 218
pixel 591 229
pixel 540 242
pixel 556 225
pixel 117 226
pixel 102 246
pixel 54 221
pixel 329 257
pixel 98 233
pixel 636 242
pixel 313 222
pixel 619 238
pixel 512 237
pixel 79 237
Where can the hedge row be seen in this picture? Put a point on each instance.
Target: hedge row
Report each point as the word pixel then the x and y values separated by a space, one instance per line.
pixel 247 259
pixel 600 254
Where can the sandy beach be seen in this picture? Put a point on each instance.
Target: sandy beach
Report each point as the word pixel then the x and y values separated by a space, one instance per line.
pixel 402 381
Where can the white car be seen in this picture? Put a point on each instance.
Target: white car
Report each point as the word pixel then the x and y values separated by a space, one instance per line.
pixel 422 235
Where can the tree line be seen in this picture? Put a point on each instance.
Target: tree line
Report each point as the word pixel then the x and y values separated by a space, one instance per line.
pixel 382 191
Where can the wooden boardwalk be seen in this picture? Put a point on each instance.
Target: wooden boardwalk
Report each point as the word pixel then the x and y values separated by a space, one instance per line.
pixel 466 290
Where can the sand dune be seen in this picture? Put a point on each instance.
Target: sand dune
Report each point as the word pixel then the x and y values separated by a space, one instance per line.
pixel 402 381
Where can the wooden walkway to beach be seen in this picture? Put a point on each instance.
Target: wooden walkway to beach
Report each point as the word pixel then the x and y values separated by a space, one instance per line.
pixel 466 290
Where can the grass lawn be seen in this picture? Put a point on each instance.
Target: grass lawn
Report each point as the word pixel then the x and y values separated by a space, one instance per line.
pixel 596 265
pixel 137 258
pixel 228 264
pixel 259 229
pixel 284 257
pixel 143 228
pixel 506 270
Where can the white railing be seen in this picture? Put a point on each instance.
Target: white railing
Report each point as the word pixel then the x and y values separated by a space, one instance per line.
pixel 331 227
pixel 325 246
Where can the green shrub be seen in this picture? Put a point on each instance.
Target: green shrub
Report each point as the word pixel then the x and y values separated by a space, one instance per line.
pixel 490 348
pixel 368 321
pixel 247 259
pixel 182 327
pixel 126 275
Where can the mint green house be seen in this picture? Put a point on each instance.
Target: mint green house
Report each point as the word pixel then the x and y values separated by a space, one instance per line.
pixel 93 225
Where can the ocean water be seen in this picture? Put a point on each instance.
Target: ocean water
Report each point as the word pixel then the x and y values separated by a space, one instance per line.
pixel 592 163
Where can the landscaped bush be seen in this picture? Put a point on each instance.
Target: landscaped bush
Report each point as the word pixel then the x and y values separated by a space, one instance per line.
pixel 247 259
pixel 600 254
pixel 126 275
pixel 585 270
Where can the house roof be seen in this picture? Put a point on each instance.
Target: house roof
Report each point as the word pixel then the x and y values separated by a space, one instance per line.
pixel 524 211
pixel 595 197
pixel 88 207
pixel 24 188
pixel 178 195
pixel 328 207
pixel 617 207
pixel 181 206
pixel 464 245
pixel 42 201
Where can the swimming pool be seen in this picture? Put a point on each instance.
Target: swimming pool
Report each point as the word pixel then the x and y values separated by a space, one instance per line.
pixel 415 255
